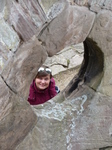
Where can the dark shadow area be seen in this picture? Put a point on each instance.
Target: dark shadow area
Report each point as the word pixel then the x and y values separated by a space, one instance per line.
pixel 91 70
pixel 106 148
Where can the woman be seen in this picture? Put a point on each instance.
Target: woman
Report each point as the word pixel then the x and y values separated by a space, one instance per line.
pixel 42 88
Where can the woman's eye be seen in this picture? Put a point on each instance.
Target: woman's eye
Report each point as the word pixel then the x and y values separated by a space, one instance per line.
pixel 40 78
pixel 46 79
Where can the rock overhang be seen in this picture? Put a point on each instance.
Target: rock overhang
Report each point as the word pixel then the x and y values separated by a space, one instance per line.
pixel 80 98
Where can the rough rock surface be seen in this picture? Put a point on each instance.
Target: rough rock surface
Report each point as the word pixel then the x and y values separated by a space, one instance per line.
pixel 68 58
pixel 15 122
pixel 79 118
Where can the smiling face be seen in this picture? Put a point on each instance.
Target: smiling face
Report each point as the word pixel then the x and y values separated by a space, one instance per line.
pixel 42 82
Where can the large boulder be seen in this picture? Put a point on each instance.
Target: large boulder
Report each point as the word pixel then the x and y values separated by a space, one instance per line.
pixel 79 118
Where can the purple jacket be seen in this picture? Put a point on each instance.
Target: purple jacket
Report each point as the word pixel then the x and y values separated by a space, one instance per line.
pixel 41 96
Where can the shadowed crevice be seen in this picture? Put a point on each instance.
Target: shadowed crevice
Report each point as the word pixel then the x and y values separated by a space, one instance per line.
pixel 95 61
pixel 106 148
pixel 91 70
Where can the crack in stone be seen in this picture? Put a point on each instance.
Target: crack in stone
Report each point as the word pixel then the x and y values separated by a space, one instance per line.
pixel 8 85
pixel 106 148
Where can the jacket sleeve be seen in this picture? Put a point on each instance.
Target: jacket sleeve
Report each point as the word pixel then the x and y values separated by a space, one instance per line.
pixel 31 97
pixel 52 88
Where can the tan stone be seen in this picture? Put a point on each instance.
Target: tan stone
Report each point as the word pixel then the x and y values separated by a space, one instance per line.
pixel 79 118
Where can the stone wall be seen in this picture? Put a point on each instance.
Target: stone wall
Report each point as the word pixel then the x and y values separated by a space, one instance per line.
pixel 79 118
pixel 68 58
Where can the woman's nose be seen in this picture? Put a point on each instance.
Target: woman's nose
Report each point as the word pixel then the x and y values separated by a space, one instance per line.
pixel 43 81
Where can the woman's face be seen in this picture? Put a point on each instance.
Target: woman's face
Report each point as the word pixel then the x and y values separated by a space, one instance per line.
pixel 42 82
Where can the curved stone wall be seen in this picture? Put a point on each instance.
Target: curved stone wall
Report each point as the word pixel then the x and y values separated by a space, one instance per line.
pixel 79 118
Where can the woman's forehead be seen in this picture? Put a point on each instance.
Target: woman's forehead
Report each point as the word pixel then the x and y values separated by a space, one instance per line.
pixel 44 76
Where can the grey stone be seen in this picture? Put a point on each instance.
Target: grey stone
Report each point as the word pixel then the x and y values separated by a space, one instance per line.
pixel 78 118
pixel 75 61
pixel 79 48
pixel 57 69
pixel 16 73
pixel 56 32
pixel 16 118
pixel 65 59
pixel 8 36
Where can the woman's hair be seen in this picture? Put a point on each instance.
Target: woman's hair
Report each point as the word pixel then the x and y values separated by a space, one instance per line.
pixel 43 71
